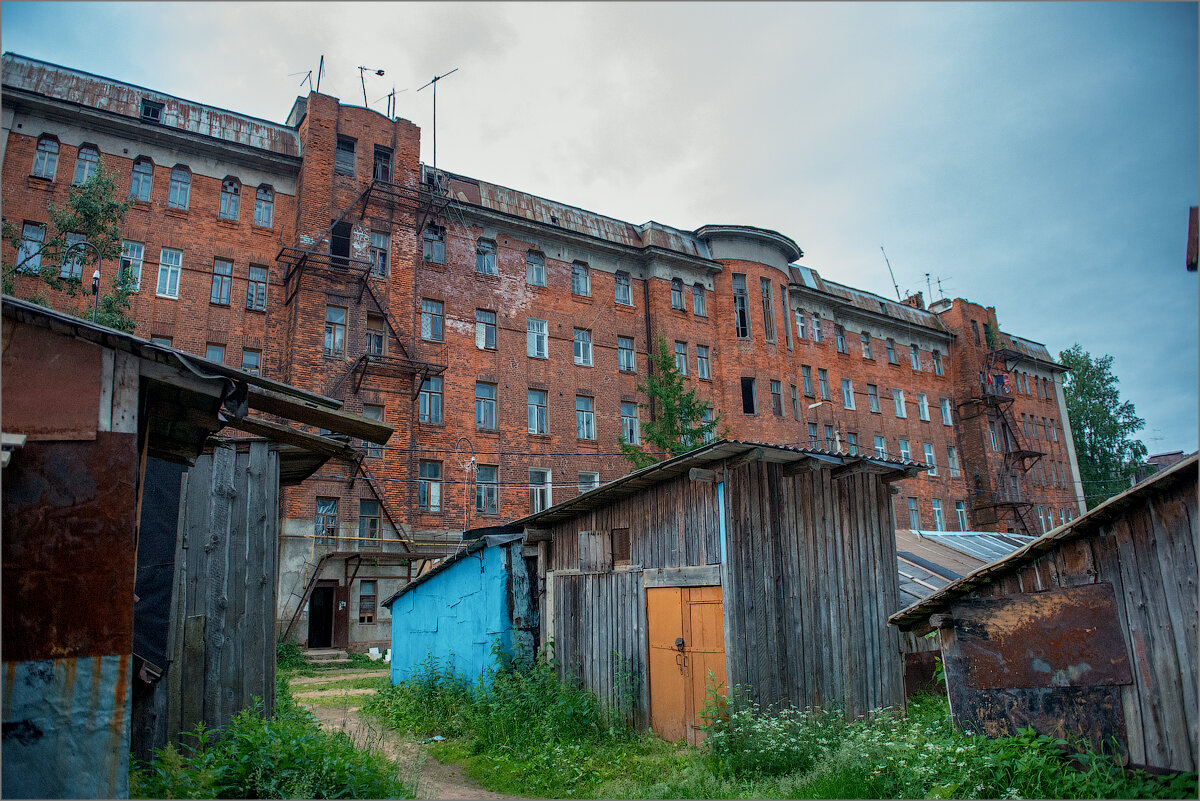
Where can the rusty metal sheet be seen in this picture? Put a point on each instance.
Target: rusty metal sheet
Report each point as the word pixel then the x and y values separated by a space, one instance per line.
pixel 68 549
pixel 1093 713
pixel 37 366
pixel 1066 637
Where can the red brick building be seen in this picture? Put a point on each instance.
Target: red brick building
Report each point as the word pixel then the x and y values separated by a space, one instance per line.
pixel 504 335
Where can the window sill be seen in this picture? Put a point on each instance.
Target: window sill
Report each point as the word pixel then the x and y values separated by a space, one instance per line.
pixel 625 307
pixel 431 424
pixel 581 364
pixel 142 205
pixel 494 277
pixel 582 298
pixel 433 265
pixel 539 436
pixel 38 182
pixel 256 311
pixel 219 305
pixel 226 222
pixel 170 297
pixel 171 211
pixel 262 229
pixel 487 432
pixel 627 372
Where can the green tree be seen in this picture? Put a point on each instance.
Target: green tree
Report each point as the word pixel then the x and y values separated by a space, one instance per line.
pixel 1102 426
pixel 92 212
pixel 679 425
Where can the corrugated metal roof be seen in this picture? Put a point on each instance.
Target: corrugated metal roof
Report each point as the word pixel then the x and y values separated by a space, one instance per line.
pixel 927 561
pixel 875 304
pixel 983 545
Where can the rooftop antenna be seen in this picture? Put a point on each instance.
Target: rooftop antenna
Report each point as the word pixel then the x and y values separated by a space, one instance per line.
pixel 928 288
pixel 892 274
pixel 941 294
pixel 436 78
pixel 361 72
pixel 320 69
pixel 307 77
pixel 391 99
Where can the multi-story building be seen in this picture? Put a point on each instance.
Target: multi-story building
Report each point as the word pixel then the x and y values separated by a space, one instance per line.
pixel 505 335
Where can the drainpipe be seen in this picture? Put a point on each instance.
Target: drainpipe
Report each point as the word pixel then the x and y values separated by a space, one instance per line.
pixel 649 339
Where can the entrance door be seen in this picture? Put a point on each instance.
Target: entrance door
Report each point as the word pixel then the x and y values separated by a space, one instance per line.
pixel 320 617
pixel 686 633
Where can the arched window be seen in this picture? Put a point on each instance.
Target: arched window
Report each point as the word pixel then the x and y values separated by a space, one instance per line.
pixel 180 190
pixel 676 293
pixel 45 163
pixel 264 206
pixel 699 306
pixel 86 163
pixel 142 181
pixel 231 194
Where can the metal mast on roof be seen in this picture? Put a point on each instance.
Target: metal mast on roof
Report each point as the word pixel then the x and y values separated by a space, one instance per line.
pixel 892 274
pixel 361 72
pixel 436 78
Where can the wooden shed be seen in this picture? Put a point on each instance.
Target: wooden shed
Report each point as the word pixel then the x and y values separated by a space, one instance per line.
pixel 1089 630
pixel 770 568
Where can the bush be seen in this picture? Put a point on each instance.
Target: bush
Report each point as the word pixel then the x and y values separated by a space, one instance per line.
pixel 289 656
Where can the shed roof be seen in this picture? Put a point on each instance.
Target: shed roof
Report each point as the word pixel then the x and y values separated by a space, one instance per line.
pixel 929 560
pixel 639 480
pixel 501 535
pixel 1083 526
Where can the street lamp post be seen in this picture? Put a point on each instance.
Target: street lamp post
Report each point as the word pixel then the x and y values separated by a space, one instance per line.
pixel 837 435
pixel 95 275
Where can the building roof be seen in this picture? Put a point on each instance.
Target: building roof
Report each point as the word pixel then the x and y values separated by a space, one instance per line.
pixel 927 561
pixel 917 615
pixel 639 480
pixel 499 535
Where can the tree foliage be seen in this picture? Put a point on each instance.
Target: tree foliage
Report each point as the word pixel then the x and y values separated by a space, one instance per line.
pixel 1102 426
pixel 93 212
pixel 679 425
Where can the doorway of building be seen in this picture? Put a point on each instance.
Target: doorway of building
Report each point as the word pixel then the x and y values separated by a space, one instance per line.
pixel 320 615
pixel 686 636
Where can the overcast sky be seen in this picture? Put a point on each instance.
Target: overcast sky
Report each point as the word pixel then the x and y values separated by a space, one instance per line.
pixel 1037 157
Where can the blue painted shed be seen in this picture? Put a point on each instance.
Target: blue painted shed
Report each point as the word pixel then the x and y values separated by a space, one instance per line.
pixel 479 597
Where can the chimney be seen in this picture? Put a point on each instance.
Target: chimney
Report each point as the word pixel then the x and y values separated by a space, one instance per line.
pixel 916 300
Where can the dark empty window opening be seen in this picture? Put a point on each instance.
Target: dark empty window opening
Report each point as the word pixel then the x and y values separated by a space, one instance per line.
pixel 343 161
pixel 620 546
pixel 151 111
pixel 382 170
pixel 749 402
pixel 339 245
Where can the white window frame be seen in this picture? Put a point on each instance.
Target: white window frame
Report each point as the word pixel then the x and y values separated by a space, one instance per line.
pixel 960 511
pixel 681 359
pixel 535 268
pixel 848 393
pixel 631 427
pixel 898 403
pixel 923 406
pixel 541 489
pixel 947 416
pixel 537 344
pixel 931 459
pixel 873 398
pixel 699 302
pixel 952 461
pixel 905 451
pixel 626 358
pixel 914 515
pixel 537 414
pixel 433 316
pixel 485 257
pixel 703 364
pixel 623 288
pixel 133 253
pixel 169 270
pixel 483 328
pixel 939 520
pixel 880 447
pixel 583 347
pixel 588 480
pixel 585 417
pixel 487 491
pixel 581 279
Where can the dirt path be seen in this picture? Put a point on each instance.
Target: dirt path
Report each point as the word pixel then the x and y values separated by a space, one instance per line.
pixel 339 709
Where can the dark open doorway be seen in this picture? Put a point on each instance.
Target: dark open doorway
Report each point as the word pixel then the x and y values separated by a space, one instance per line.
pixel 320 617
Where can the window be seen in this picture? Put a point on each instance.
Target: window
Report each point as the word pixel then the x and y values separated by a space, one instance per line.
pixel 376 338
pixel 952 461
pixel 847 393
pixel 485 257
pixel 326 521
pixel 923 406
pixel 381 166
pixel 434 244
pixel 86 162
pixel 818 336
pixel 937 363
pixel 620 547
pixel 677 294
pixel 975 332
pixel 381 245
pixel 179 191
pixel 581 279
pixel 536 344
pixel 231 190
pixel 812 436
pixel 830 439
pixel 891 352
pixel 222 282
pixel 992 435
pixel 905 451
pixel 429 486
pixel 947 419
pixel 170 263
pixel 430 402
pixel 142 180
pixel 29 255
pixel 914 353
pixel 806 377
pixel 706 417
pixel 366 588
pixel 1053 430
pixel 960 510
pixel 839 338
pixel 368 532
pixel 537 411
pixel 487 489
pixel 741 307
pixel 215 353
pixel 535 268
pixel 583 347
pixel 1041 520
pixel 914 517
pixel 335 331
pixel 431 320
pixel 132 254
pixel 939 524
pixel 585 417
pixel 681 357
pixel 930 459
pixel 622 290
pixel 1045 428
pixel 485 406
pixel 540 496
pixel 880 447
pixel 865 336
pixel 485 329
pixel 630 426
pixel 787 315
pixel 898 402
pixel 45 161
pixel 800 328
pixel 823 382
pixel 795 401
pixel 151 111
pixel 852 443
pixel 373 412
pixel 873 398
pixel 164 341
pixel 1037 384
pixel 72 265
pixel 699 303
pixel 749 399
pixel 625 359
pixel 768 304
pixel 776 399
pixel 703 368
pixel 588 481
pixel 343 159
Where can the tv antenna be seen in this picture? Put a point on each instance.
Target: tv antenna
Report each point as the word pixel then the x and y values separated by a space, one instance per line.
pixel 433 82
pixel 307 77
pixel 928 288
pixel 892 274
pixel 361 72
pixel 391 99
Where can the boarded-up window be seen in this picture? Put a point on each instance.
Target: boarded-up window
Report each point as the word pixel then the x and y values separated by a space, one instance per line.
pixel 620 546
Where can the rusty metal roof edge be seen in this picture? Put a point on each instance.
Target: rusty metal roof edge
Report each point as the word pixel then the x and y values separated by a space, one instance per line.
pixel 837 300
pixel 1079 527
pixel 1048 364
pixel 769 234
